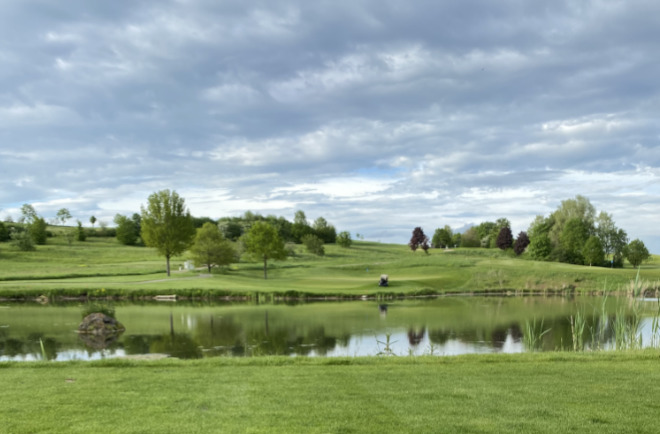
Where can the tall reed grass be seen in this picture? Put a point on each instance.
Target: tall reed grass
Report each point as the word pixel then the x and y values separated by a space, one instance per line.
pixel 533 335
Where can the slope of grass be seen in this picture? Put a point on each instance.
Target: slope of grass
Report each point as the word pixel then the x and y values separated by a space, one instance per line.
pixel 103 267
pixel 556 392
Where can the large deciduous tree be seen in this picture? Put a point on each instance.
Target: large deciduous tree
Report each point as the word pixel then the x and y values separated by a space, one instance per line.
pixel 573 238
pixel 263 242
pixel 593 251
pixel 570 209
pixel 211 247
pixel 167 224
pixel 442 237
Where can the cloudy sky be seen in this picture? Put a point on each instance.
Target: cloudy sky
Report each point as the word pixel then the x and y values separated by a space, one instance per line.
pixel 380 115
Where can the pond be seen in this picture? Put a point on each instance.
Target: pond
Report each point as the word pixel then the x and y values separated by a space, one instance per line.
pixel 438 326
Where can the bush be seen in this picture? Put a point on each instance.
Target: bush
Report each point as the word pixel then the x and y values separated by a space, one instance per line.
pixel 344 239
pixel 313 244
pixel 22 241
pixel 104 308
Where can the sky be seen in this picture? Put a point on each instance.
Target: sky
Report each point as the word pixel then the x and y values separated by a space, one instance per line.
pixel 379 115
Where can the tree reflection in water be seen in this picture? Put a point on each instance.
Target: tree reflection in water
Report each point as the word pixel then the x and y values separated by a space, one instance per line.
pixel 416 336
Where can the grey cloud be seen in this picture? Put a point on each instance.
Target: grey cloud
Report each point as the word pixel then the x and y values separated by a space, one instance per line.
pixel 469 110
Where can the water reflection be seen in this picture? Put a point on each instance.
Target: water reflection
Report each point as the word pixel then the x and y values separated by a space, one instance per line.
pixel 447 326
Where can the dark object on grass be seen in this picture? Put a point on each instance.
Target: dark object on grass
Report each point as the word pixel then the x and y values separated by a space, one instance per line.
pixel 382 308
pixel 383 280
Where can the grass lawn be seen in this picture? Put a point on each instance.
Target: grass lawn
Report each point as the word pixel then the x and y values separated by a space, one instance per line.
pixel 102 267
pixel 550 392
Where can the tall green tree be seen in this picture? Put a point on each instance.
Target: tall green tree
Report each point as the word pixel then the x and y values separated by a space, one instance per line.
pixel 636 253
pixel 263 242
pixel 324 230
pixel 28 214
pixel 578 208
pixel 573 238
pixel 593 251
pixel 540 247
pixel 211 247
pixel 300 227
pixel 442 237
pixel 231 228
pixel 35 225
pixel 80 232
pixel 167 225
pixel 126 231
pixel 470 238
pixel 38 230
pixel 63 215
pixel 92 220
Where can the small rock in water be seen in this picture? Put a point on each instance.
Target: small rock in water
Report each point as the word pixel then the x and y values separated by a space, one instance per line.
pixel 99 323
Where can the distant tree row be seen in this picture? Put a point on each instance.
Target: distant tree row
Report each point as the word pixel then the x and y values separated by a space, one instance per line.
pixel 166 224
pixel 233 227
pixel 574 233
pixel 32 230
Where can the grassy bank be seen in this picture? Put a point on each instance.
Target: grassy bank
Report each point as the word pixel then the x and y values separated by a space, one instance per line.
pixel 555 392
pixel 101 267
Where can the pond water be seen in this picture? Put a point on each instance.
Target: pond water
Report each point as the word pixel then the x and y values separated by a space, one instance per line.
pixel 440 326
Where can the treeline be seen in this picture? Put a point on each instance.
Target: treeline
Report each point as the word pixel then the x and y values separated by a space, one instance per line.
pixel 32 229
pixel 574 233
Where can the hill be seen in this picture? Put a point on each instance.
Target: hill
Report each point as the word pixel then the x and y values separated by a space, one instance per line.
pixel 101 267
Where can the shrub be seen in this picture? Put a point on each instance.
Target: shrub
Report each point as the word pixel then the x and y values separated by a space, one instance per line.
pixel 344 239
pixel 22 240
pixel 313 244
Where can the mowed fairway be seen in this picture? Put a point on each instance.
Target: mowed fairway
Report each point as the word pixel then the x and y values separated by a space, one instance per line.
pixel 555 392
pixel 103 267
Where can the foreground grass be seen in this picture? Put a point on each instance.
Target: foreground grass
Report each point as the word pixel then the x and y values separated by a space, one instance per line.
pixel 556 392
pixel 102 267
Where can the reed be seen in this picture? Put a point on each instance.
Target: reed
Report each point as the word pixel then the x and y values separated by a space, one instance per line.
pixel 533 335
pixel 598 329
pixel 578 323
pixel 627 333
pixel 655 327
